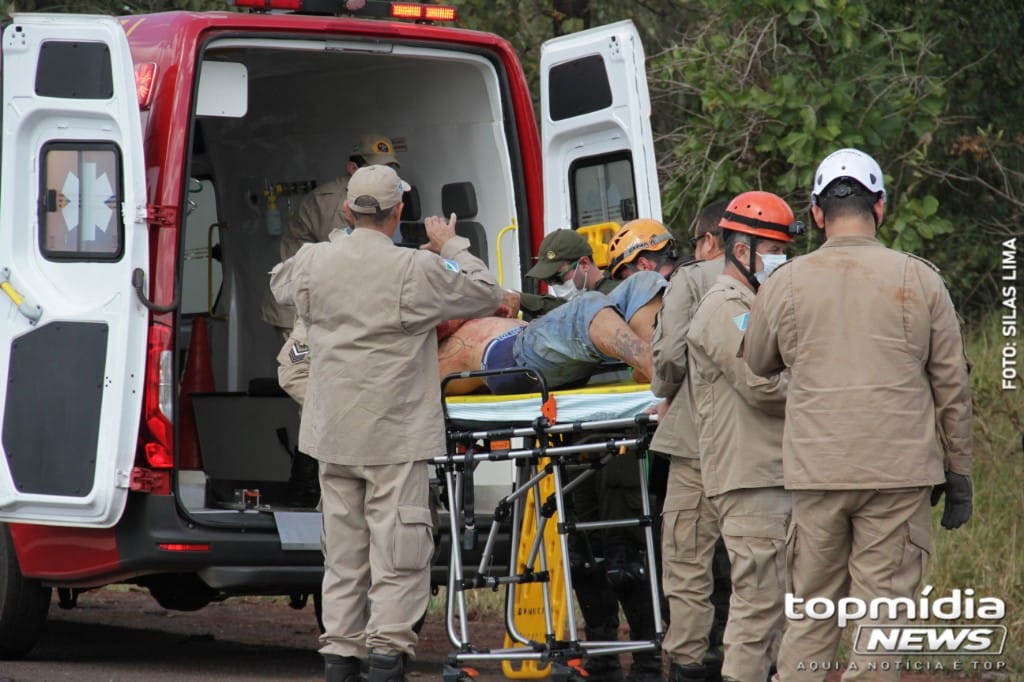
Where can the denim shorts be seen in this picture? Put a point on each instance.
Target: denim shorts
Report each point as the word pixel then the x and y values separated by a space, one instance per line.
pixel 558 344
pixel 499 355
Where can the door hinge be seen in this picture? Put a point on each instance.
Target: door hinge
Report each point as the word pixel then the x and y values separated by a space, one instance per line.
pixel 161 215
pixel 143 480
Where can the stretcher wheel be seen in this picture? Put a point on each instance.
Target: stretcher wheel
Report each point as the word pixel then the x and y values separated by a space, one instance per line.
pixel 566 673
pixel 452 673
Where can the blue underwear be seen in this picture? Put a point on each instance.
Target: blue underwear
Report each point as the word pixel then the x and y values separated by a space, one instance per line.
pixel 498 355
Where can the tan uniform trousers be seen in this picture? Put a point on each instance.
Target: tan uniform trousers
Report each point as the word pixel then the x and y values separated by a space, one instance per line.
pixel 689 532
pixel 754 522
pixel 858 543
pixel 378 544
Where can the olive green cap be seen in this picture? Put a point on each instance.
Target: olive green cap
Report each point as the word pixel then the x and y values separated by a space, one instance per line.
pixel 560 246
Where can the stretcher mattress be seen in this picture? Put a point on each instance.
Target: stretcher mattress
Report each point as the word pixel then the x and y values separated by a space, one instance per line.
pixel 607 401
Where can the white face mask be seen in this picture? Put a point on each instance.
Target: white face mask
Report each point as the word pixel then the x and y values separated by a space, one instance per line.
pixel 566 290
pixel 771 261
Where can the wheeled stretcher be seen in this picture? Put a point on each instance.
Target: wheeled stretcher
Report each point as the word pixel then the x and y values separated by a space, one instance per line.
pixel 556 441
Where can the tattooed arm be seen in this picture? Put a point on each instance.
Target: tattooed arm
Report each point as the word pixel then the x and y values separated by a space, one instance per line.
pixel 612 336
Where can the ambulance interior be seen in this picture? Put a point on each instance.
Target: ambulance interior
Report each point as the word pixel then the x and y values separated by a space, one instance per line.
pixel 275 118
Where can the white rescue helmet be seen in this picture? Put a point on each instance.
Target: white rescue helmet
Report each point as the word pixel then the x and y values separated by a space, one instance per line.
pixel 848 163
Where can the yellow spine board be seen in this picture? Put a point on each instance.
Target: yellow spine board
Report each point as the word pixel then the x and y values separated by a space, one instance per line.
pixel 529 598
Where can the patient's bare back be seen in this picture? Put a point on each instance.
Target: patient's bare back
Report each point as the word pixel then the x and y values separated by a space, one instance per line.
pixel 463 350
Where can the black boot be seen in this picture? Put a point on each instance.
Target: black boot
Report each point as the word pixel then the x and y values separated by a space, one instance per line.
pixel 600 611
pixel 604 668
pixel 635 597
pixel 687 673
pixel 647 667
pixel 341 668
pixel 386 668
pixel 303 482
pixel 713 660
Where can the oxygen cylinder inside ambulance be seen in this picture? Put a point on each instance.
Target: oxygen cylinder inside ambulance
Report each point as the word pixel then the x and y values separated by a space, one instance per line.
pixel 272 120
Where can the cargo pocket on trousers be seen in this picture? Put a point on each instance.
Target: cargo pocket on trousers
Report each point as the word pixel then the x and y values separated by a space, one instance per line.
pixel 915 558
pixel 680 515
pixel 757 551
pixel 413 539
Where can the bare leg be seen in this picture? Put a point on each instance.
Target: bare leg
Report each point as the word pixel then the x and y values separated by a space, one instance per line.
pixel 612 336
pixel 463 351
pixel 642 321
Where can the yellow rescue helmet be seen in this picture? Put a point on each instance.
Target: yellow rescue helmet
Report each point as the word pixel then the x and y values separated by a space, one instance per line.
pixel 635 237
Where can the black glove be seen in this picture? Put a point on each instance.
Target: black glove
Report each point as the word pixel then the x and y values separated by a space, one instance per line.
pixel 959 496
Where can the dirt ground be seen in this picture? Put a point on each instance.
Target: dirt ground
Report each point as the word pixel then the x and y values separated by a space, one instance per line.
pixel 272 623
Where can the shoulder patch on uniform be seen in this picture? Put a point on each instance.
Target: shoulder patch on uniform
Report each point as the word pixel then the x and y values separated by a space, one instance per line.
pixel 298 352
pixel 450 265
pixel 741 321
pixel 927 262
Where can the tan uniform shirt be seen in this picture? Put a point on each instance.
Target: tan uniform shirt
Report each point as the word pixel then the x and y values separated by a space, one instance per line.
pixel 371 308
pixel 877 361
pixel 677 432
pixel 318 214
pixel 739 414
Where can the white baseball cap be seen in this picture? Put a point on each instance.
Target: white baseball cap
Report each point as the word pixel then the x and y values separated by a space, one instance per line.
pixel 375 188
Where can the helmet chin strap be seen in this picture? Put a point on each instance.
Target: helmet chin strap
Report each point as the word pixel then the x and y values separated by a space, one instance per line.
pixel 748 272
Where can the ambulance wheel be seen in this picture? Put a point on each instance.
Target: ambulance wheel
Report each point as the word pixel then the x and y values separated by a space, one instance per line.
pixel 24 604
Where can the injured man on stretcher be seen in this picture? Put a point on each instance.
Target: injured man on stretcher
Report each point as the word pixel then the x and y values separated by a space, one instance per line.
pixel 567 345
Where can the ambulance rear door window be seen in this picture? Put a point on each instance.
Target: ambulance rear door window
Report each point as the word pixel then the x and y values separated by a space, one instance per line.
pixel 74 70
pixel 603 189
pixel 579 87
pixel 80 201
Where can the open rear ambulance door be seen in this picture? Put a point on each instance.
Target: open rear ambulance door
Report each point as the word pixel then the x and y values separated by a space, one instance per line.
pixel 598 153
pixel 72 230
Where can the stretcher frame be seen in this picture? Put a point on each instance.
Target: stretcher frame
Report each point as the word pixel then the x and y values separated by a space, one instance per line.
pixel 465 449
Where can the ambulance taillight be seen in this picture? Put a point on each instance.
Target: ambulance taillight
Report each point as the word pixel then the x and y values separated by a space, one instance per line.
pixel 145 74
pixel 158 400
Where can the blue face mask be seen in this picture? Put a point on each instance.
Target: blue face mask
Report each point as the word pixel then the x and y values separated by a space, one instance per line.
pixel 770 261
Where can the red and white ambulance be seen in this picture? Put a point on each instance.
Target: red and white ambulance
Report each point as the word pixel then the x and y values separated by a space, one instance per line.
pixel 147 166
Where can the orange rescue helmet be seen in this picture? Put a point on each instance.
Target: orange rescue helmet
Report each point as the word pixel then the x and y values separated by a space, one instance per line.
pixel 761 214
pixel 635 237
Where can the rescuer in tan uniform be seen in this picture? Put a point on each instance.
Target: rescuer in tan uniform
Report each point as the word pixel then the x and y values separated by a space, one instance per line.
pixel 372 414
pixel 319 213
pixel 878 412
pixel 689 524
pixel 740 433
